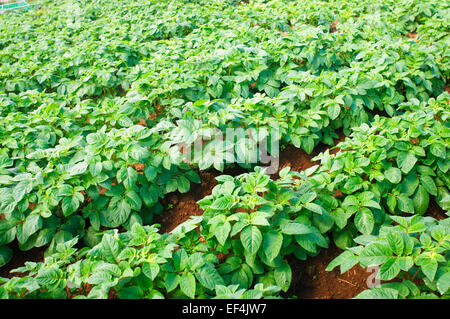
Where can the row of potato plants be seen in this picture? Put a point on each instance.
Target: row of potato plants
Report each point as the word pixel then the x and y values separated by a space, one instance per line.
pixel 73 162
pixel 112 178
pixel 250 224
pixel 61 166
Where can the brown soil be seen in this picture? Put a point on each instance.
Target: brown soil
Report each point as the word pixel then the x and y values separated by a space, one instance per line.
pixel 179 207
pixel 296 158
pixel 447 88
pixel 19 259
pixel 310 280
pixel 323 147
pixel 299 160
pixel 412 35
pixel 334 26
pixel 435 211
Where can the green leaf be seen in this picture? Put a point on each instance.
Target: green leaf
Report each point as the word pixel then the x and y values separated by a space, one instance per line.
pixel 405 204
pixel 131 292
pixel 443 283
pixel 421 200
pixel 438 150
pixel 314 208
pixel 32 224
pixel 209 277
pixel 150 173
pixel 272 244
pixel 429 184
pixel 95 168
pixel 408 163
pixel 251 239
pixel 429 267
pixel 343 238
pixel 133 200
pixel 378 293
pixel 183 184
pixel 346 260
pixel 283 276
pixel 396 243
pixel 49 276
pixel 188 285
pixel 340 217
pixel 333 111
pixel 394 175
pixel 364 221
pixel 150 269
pixel 391 202
pixel 70 205
pixel 171 281
pixel 223 203
pixel 150 195
pixel 293 228
pixel 375 254
pixel 6 254
pixel 119 214
pixel 349 201
pixel 79 168
pixel 405 263
pixel 222 231
pixel 139 153
pixel 389 270
pixel 109 247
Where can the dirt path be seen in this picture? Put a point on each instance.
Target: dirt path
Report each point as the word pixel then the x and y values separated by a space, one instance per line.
pixel 310 280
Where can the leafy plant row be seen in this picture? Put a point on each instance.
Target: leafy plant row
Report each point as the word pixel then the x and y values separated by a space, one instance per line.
pixel 250 224
pixel 414 251
pixel 96 97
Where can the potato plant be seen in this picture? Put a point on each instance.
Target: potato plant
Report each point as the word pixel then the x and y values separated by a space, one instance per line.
pixel 96 98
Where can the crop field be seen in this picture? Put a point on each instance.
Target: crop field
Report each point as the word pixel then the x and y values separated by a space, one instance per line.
pixel 197 149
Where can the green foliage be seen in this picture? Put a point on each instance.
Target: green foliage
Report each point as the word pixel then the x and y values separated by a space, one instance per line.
pixel 415 250
pixel 96 98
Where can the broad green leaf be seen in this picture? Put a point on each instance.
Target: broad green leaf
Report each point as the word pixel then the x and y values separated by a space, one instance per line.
pixel 109 247
pixel 272 244
pixel 223 203
pixel 251 239
pixel 421 200
pixel 283 276
pixel 375 254
pixel 443 283
pixel 6 255
pixel 378 293
pixel 222 232
pixel 408 163
pixel 293 228
pixel 393 175
pixel 389 270
pixel 429 185
pixel 395 241
pixel 345 260
pixel 364 221
pixel 209 277
pixel 150 269
pixel 188 285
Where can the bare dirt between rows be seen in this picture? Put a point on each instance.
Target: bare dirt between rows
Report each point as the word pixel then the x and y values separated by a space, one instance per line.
pixel 310 280
pixel 179 207
pixel 20 258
